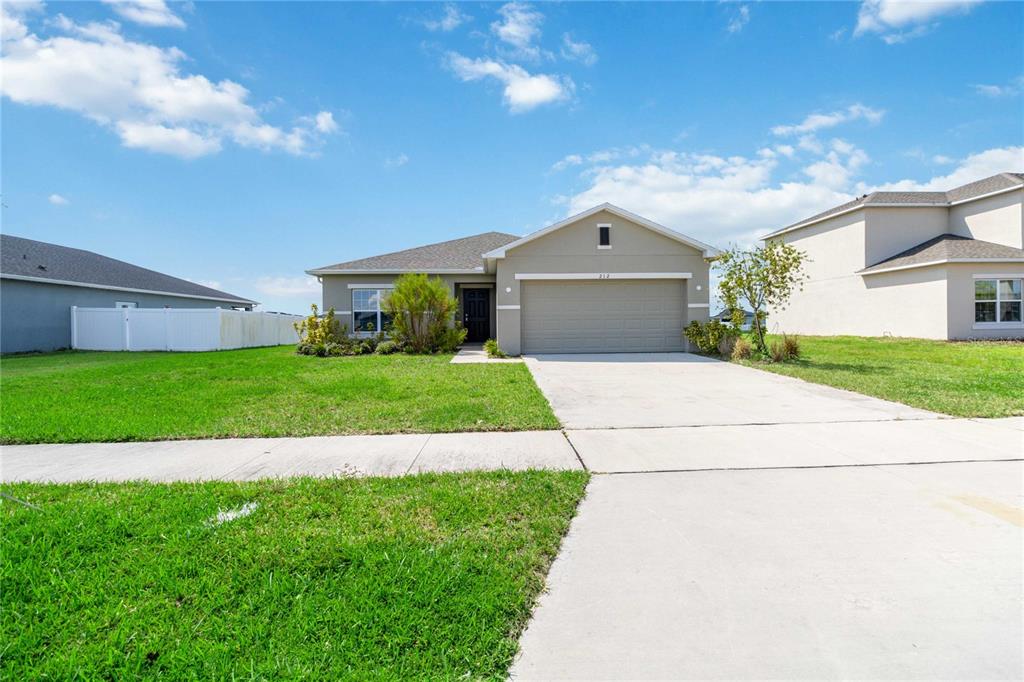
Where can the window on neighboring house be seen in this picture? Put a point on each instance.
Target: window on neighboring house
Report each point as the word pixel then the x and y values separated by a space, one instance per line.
pixel 367 313
pixel 125 304
pixel 604 236
pixel 997 300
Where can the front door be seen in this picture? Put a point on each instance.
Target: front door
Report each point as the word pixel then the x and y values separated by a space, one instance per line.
pixel 476 314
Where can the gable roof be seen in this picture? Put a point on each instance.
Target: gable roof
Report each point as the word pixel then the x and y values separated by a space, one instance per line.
pixel 948 248
pixel 707 249
pixel 31 260
pixel 457 255
pixel 1003 182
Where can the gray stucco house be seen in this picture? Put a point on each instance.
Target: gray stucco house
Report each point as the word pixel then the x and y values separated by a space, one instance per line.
pixel 605 280
pixel 40 282
pixel 937 265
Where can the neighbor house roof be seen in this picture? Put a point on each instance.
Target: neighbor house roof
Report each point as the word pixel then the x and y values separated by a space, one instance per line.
pixel 948 248
pixel 1003 182
pixel 457 255
pixel 31 260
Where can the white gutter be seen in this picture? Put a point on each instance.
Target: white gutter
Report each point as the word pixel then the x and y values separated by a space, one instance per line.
pixel 394 271
pixel 88 285
pixel 943 261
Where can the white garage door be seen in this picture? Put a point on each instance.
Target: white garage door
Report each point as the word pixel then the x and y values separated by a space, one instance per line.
pixel 621 316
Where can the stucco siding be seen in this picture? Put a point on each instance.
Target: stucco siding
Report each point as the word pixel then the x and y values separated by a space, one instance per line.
pixel 960 307
pixel 574 249
pixel 903 303
pixel 998 219
pixel 892 230
pixel 36 316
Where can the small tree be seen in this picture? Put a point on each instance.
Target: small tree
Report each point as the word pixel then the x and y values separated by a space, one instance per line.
pixel 422 314
pixel 764 276
pixel 319 330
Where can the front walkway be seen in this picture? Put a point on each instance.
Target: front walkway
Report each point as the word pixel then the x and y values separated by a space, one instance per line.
pixel 253 458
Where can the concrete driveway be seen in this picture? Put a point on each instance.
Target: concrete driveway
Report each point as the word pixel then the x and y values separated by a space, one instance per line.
pixel 680 389
pixel 877 572
pixel 753 526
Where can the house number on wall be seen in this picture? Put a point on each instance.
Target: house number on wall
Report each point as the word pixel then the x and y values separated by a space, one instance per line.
pixel 604 275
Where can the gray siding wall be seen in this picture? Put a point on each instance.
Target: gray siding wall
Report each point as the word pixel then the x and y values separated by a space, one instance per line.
pixel 573 248
pixel 338 295
pixel 36 316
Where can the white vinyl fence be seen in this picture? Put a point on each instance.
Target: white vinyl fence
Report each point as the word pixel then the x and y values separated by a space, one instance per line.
pixel 182 329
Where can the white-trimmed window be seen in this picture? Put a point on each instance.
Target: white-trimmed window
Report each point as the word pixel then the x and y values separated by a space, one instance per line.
pixel 367 314
pixel 997 301
pixel 604 235
pixel 125 304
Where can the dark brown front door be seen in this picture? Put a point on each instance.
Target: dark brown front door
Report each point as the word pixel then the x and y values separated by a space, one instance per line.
pixel 476 314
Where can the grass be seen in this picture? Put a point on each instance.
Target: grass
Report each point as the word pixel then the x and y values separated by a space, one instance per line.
pixel 425 577
pixel 88 396
pixel 976 379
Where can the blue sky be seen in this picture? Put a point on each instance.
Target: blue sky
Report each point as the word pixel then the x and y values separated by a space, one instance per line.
pixel 239 144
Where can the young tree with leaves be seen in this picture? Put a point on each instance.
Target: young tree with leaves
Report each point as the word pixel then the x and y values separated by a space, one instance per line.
pixel 763 276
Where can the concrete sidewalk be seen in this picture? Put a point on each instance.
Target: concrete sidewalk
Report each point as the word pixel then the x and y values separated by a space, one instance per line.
pixel 241 459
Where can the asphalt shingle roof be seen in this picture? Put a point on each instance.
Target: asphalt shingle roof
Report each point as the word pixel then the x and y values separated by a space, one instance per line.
pixel 31 258
pixel 457 254
pixel 946 247
pixel 962 193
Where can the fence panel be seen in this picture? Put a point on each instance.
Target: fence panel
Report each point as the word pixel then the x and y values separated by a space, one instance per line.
pixel 178 329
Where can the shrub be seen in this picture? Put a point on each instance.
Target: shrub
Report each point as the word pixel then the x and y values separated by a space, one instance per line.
pixel 422 312
pixel 791 347
pixel 387 347
pixel 707 337
pixel 493 349
pixel 742 349
pixel 317 329
pixel 726 345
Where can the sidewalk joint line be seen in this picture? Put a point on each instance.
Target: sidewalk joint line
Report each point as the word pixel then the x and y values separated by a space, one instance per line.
pixel 574 450
pixel 419 452
pixel 706 426
pixel 807 466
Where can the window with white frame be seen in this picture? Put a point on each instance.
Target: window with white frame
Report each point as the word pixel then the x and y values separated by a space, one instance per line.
pixel 368 315
pixel 997 301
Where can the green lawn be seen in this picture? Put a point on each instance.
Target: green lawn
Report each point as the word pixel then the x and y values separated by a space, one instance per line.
pixel 87 396
pixel 977 379
pixel 422 577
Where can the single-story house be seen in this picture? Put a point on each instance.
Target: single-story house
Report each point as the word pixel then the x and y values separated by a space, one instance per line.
pixel 605 280
pixel 938 265
pixel 725 317
pixel 40 282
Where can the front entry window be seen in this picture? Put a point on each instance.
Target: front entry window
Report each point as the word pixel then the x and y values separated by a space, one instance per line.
pixel 997 301
pixel 367 313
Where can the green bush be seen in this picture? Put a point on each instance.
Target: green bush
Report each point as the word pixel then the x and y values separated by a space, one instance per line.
pixel 707 337
pixel 317 329
pixel 388 347
pixel 422 312
pixel 493 349
pixel 742 349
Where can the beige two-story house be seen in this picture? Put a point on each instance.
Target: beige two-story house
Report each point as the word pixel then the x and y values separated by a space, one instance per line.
pixel 605 280
pixel 937 265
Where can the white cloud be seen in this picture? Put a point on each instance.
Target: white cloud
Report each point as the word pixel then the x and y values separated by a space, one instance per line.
pixel 814 122
pixel 1014 87
pixel 739 20
pixel 139 91
pixel 58 200
pixel 523 91
pixel 519 27
pixel 973 167
pixel 146 12
pixel 890 17
pixel 450 20
pixel 287 286
pixel 325 122
pixel 837 34
pixel 396 161
pixel 600 157
pixel 578 51
pixel 942 159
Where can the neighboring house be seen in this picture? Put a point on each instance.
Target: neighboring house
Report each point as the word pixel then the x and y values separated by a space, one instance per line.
pixel 605 280
pixel 939 265
pixel 40 282
pixel 725 317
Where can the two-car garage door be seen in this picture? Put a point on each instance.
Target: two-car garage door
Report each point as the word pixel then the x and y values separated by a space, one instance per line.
pixel 595 316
